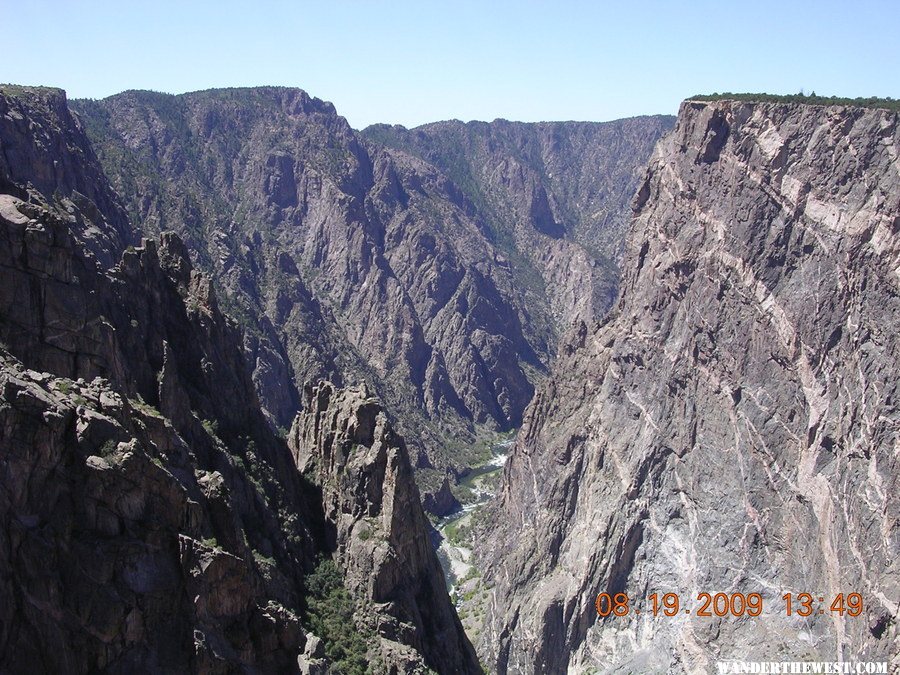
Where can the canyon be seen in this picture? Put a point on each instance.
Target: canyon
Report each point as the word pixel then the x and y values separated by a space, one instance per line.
pixel 242 344
pixel 362 258
pixel 152 519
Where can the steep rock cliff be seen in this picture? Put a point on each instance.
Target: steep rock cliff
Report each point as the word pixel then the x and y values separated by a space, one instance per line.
pixel 733 425
pixel 150 520
pixel 133 529
pixel 124 547
pixel 346 262
pixel 44 154
pixel 344 443
pixel 555 196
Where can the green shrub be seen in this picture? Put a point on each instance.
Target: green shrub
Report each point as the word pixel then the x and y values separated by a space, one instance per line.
pixel 211 427
pixel 141 405
pixel 108 448
pixel 459 532
pixel 471 574
pixel 263 559
pixel 330 612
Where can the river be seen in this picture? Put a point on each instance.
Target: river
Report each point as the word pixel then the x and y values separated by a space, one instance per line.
pixel 454 546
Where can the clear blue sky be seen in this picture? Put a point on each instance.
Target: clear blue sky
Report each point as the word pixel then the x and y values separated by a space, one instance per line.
pixel 414 62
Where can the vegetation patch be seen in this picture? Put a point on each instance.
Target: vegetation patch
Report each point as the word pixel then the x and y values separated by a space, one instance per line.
pixel 459 531
pixel 330 611
pixel 144 407
pixel 108 448
pixel 263 560
pixel 809 99
pixel 211 542
pixel 211 427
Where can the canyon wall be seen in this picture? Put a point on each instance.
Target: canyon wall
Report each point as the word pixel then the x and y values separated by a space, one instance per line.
pixel 355 258
pixel 732 426
pixel 555 196
pixel 150 518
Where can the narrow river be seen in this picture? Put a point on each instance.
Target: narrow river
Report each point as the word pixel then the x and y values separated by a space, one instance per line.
pixel 454 547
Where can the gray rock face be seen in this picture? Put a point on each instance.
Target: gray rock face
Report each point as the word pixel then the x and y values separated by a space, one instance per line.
pixel 375 524
pixel 347 262
pixel 45 156
pixel 110 552
pixel 129 538
pixel 442 502
pixel 733 425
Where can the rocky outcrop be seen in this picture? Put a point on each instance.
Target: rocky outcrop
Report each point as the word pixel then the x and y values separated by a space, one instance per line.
pixel 344 443
pixel 119 551
pixel 45 156
pixel 733 425
pixel 442 502
pixel 143 499
pixel 150 519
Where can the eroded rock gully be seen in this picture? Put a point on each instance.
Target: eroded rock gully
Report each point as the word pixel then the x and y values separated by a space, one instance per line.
pixel 733 424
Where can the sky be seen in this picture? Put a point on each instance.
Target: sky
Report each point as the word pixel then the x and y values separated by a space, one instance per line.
pixel 409 63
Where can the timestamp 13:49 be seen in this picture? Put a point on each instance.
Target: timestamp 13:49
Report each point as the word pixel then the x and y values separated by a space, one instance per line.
pixel 729 604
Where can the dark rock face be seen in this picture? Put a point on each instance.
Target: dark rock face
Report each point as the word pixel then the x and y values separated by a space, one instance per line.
pixel 442 502
pixel 120 551
pixel 150 519
pixel 354 262
pixel 344 443
pixel 555 196
pixel 348 263
pixel 733 426
pixel 45 155
pixel 132 530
